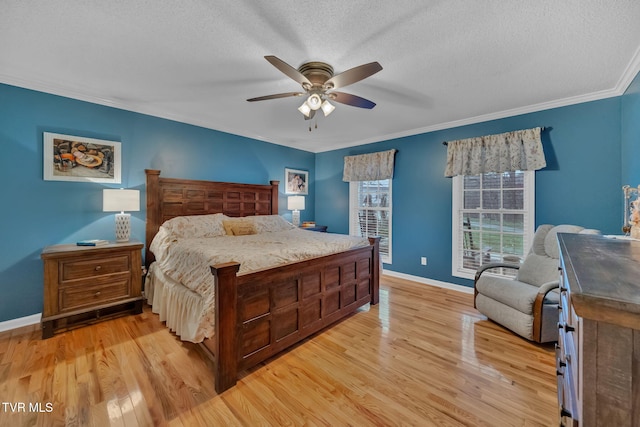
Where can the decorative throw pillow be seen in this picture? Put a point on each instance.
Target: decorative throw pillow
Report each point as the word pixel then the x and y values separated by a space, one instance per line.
pixel 238 227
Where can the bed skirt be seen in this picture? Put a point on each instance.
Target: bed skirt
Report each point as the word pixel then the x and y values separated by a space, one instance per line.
pixel 177 306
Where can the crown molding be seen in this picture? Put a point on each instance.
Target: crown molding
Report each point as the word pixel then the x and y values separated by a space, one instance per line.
pixel 630 72
pixel 67 92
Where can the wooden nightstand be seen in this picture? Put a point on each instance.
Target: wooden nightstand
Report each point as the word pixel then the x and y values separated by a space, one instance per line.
pixel 321 228
pixel 85 284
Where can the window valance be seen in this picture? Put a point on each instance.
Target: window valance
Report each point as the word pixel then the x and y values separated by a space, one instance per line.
pixel 369 167
pixel 505 152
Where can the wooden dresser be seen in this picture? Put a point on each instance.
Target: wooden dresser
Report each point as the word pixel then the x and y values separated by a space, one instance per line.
pixel 88 283
pixel 598 350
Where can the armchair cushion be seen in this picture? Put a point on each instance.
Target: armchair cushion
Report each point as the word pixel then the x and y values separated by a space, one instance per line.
pixel 517 321
pixel 541 264
pixel 512 293
pixel 538 269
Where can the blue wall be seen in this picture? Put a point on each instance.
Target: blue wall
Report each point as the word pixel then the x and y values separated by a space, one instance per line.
pixel 580 185
pixel 631 134
pixel 37 213
pixel 591 149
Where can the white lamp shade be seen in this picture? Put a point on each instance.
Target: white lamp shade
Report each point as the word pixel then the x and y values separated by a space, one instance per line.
pixel 304 109
pixel 327 108
pixel 120 200
pixel 295 203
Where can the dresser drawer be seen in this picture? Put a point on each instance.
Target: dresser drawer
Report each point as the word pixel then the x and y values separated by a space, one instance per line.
pixel 91 267
pixel 93 292
pixel 567 407
pixel 564 308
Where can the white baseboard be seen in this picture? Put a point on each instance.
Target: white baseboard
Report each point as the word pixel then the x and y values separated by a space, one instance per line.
pixel 20 322
pixel 35 318
pixel 430 282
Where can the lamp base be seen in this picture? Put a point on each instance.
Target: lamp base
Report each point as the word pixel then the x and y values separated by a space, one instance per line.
pixel 123 227
pixel 295 217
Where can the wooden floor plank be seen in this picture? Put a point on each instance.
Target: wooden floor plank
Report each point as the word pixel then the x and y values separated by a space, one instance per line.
pixel 423 356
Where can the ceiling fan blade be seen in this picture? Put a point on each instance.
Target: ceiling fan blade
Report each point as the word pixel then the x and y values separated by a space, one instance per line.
pixel 353 100
pixel 353 75
pixel 288 70
pixel 277 95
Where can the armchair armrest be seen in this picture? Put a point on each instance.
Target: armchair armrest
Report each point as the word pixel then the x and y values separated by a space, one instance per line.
pixel 489 266
pixel 545 288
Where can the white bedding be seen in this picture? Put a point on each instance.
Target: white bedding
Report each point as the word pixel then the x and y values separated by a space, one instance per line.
pixel 184 257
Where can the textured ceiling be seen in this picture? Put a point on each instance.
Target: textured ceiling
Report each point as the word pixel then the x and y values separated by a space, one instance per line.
pixel 446 63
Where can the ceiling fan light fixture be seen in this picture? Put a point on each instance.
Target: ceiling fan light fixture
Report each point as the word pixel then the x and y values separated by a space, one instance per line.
pixel 314 101
pixel 304 109
pixel 327 108
pixel 317 78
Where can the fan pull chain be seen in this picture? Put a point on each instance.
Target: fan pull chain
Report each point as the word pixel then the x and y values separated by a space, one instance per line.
pixel 315 126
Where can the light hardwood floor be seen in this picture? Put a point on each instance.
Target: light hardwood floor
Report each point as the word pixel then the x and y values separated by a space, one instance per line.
pixel 424 356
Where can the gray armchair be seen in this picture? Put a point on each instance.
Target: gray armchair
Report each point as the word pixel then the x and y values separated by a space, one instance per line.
pixel 528 304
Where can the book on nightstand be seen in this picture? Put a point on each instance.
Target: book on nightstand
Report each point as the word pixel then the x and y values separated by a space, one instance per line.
pixel 92 242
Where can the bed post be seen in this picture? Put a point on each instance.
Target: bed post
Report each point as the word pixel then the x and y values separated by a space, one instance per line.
pixel 153 211
pixel 274 197
pixel 226 339
pixel 375 270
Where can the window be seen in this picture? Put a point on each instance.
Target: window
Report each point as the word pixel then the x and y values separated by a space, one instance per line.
pixel 493 220
pixel 370 212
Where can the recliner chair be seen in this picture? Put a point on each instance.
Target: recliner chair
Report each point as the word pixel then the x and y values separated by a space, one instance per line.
pixel 528 304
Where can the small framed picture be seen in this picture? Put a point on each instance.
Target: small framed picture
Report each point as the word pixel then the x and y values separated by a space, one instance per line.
pixel 297 181
pixel 75 158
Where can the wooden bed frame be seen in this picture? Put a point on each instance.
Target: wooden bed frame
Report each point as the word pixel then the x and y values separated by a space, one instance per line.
pixel 258 315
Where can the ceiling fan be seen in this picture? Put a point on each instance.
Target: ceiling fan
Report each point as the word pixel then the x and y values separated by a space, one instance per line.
pixel 318 82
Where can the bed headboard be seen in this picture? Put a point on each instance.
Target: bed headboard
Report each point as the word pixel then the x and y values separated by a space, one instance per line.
pixel 171 197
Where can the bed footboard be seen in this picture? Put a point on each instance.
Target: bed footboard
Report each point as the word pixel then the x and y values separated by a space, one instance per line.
pixel 262 313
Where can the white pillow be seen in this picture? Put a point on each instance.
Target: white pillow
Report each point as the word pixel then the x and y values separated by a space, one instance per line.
pixel 269 223
pixel 194 226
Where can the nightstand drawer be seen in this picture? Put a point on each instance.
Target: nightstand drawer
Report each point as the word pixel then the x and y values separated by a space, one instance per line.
pixel 91 267
pixel 92 293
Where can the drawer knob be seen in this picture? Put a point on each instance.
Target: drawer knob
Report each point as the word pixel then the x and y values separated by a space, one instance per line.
pixel 98 293
pixel 98 268
pixel 567 328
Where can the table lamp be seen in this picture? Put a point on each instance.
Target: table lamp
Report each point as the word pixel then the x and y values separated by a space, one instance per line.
pixel 295 204
pixel 114 200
